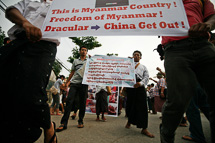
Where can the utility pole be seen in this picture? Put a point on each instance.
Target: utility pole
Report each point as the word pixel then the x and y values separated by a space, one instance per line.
pixel 3 6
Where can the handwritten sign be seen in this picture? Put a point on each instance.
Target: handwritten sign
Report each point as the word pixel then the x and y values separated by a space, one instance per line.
pixel 71 18
pixel 109 71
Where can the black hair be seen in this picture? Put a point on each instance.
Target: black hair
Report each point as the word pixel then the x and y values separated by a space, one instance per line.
pixel 138 52
pixel 62 76
pixel 152 84
pixel 82 47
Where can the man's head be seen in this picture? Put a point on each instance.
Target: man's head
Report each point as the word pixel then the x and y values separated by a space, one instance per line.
pixel 83 51
pixel 159 75
pixel 137 55
pixel 152 85
pixel 62 77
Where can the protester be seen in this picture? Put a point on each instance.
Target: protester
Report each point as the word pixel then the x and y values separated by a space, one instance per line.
pixel 27 65
pixel 199 101
pixel 189 61
pixel 76 89
pixel 136 106
pixel 56 97
pixel 101 101
pixel 152 98
pixel 149 103
pixel 158 101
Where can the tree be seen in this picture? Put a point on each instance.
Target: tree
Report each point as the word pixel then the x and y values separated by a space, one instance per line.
pixel 2 36
pixel 56 68
pixel 75 55
pixel 89 42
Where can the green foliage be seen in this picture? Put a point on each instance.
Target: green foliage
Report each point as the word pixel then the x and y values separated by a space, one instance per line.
pixel 75 55
pixel 56 68
pixel 88 42
pixel 2 36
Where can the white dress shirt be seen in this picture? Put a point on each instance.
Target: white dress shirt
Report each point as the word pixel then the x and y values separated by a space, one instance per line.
pixel 142 72
pixel 99 88
pixel 35 12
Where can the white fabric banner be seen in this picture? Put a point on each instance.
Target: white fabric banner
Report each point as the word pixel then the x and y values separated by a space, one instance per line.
pixel 72 18
pixel 109 71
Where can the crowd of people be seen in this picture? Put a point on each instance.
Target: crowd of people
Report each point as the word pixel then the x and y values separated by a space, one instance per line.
pixel 186 86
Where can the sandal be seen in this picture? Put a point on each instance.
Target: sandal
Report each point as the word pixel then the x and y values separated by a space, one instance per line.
pixel 128 125
pixel 59 130
pixel 188 138
pixel 54 136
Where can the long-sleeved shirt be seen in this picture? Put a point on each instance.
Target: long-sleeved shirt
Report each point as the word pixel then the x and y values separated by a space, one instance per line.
pixel 142 73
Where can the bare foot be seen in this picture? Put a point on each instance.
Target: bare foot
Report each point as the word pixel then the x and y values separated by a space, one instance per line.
pixel 128 125
pixel 104 119
pixel 49 133
pixel 147 133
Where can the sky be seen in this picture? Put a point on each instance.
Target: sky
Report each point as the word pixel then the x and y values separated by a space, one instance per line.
pixel 124 46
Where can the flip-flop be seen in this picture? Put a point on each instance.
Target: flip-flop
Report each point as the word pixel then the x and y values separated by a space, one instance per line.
pixel 59 130
pixel 54 136
pixel 188 138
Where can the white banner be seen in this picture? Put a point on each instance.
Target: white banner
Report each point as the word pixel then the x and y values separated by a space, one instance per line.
pixel 72 18
pixel 109 71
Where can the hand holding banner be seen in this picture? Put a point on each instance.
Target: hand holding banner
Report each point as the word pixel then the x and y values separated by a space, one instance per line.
pixel 72 18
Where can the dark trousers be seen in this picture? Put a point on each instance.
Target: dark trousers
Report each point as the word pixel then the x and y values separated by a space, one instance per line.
pixel 199 101
pixel 75 90
pixel 24 77
pixel 101 102
pixel 188 63
pixel 136 107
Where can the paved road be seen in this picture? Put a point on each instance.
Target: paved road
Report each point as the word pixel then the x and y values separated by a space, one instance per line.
pixel 113 131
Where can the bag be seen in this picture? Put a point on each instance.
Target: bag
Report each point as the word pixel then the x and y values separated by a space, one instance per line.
pixel 54 90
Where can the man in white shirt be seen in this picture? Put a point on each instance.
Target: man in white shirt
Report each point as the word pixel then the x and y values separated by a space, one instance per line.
pixel 27 63
pixel 136 105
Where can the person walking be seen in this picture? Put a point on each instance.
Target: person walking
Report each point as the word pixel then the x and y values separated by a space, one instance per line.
pixel 199 101
pixel 158 101
pixel 136 105
pixel 189 61
pixel 56 97
pixel 76 89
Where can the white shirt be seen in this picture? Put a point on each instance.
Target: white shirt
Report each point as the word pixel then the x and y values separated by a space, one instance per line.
pixel 99 88
pixel 57 84
pixel 142 72
pixel 35 12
